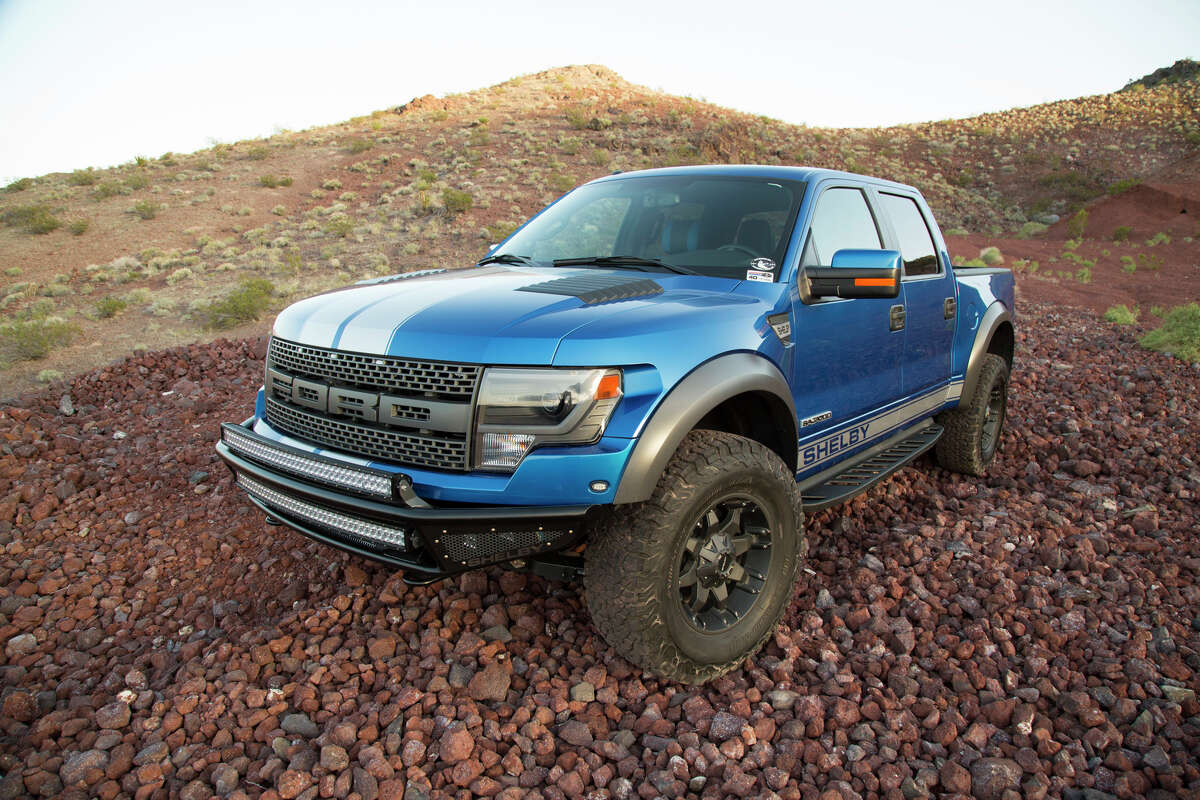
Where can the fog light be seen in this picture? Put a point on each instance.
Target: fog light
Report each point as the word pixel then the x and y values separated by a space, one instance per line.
pixel 598 486
pixel 503 449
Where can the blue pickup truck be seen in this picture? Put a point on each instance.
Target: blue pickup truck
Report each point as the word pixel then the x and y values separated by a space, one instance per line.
pixel 646 385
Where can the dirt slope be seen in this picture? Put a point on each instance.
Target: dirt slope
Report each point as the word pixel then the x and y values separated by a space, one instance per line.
pixel 369 196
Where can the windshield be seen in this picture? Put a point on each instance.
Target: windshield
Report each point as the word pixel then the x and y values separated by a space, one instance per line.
pixel 720 226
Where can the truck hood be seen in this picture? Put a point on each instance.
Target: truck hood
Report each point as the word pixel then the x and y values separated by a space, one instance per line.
pixel 509 315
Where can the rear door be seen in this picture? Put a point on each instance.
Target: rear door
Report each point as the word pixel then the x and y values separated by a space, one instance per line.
pixel 847 360
pixel 927 290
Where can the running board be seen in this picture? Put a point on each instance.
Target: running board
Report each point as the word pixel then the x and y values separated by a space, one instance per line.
pixel 863 473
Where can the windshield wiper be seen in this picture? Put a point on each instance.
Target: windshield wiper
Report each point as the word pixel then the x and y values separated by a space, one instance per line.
pixel 504 258
pixel 623 262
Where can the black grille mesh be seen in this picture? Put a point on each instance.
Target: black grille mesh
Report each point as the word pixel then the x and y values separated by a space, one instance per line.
pixel 470 547
pixel 389 445
pixel 452 381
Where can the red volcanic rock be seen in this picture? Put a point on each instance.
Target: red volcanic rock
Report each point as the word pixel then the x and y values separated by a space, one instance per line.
pixel 1033 632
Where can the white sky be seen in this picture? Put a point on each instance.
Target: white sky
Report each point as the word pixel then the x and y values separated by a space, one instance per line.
pixel 96 82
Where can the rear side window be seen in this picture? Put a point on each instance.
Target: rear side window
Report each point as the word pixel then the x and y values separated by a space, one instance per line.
pixel 842 221
pixel 916 245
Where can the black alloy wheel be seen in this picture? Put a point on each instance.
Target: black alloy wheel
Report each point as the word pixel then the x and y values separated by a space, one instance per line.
pixel 723 565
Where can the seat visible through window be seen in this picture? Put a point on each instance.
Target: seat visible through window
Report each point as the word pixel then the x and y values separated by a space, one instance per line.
pixel 755 234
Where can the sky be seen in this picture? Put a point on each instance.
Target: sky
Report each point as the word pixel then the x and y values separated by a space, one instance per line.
pixel 87 83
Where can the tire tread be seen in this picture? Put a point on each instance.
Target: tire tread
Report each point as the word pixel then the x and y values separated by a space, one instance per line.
pixel 626 555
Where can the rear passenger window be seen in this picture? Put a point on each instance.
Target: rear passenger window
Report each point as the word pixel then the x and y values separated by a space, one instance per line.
pixel 916 245
pixel 842 221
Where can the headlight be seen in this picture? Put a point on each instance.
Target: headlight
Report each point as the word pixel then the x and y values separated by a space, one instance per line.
pixel 520 408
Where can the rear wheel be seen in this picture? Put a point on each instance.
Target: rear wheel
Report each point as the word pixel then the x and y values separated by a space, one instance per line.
pixel 692 581
pixel 973 429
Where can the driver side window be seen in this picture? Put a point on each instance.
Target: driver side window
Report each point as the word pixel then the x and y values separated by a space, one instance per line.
pixel 842 221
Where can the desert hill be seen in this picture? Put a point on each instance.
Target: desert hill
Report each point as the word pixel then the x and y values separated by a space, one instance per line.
pixel 99 263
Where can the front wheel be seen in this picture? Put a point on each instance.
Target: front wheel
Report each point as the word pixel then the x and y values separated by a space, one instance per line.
pixel 973 430
pixel 694 580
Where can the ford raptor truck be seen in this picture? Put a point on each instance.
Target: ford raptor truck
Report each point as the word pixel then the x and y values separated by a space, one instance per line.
pixel 647 385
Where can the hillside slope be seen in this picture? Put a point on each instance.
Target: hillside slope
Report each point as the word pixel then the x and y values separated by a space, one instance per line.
pixel 142 250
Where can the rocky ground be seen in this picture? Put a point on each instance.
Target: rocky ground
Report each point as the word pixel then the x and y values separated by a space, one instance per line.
pixel 1036 633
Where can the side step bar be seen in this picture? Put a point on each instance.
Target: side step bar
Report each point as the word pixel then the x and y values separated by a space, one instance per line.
pixel 862 473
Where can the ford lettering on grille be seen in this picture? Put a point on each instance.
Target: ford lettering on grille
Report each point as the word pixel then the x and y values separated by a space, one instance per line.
pixel 408 412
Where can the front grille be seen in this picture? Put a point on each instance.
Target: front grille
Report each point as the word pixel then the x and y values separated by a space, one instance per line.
pixel 440 452
pixel 378 373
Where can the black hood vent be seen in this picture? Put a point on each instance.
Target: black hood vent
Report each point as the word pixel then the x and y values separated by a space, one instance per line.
pixel 596 289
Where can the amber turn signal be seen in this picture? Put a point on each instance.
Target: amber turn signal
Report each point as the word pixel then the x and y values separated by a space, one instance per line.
pixel 609 387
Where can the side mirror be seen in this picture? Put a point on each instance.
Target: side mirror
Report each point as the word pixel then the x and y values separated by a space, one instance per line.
pixel 855 273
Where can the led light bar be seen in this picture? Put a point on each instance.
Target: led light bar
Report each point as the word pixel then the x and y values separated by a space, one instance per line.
pixel 343 523
pixel 359 480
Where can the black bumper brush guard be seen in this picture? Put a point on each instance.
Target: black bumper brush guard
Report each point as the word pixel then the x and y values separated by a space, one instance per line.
pixel 376 515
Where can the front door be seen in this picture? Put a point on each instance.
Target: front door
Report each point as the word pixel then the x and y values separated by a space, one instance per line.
pixel 847 360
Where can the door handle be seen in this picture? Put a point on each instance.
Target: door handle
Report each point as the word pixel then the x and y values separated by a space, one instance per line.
pixel 896 317
pixel 949 308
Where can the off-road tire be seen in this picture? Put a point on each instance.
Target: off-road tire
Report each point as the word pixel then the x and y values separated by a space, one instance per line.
pixel 633 559
pixel 962 446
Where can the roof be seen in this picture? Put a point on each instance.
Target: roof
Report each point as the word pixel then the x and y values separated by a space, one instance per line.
pixel 778 172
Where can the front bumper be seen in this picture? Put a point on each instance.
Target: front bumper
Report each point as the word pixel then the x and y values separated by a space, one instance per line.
pixel 354 509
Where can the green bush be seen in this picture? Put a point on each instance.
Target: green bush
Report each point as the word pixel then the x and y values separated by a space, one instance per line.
pixel 1073 186
pixel 1077 224
pixel 499 231
pixel 1120 187
pixel 991 256
pixel 456 202
pixel 19 185
pixel 562 183
pixel 34 219
pixel 578 118
pixel 340 226
pixel 108 189
pixel 244 304
pixel 1128 264
pixel 1031 229
pixel 1159 238
pixel 110 307
pixel 137 181
pixel 258 152
pixel 1179 333
pixel 1121 315
pixel 82 177
pixel 1121 233
pixel 272 181
pixel 29 340
pixel 78 226
pixel 359 145
pixel 146 209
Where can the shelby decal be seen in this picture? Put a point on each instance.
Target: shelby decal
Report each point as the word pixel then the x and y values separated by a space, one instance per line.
pixel 815 418
pixel 819 451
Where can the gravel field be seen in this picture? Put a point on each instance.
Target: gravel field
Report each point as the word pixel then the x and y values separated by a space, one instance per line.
pixel 1035 633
